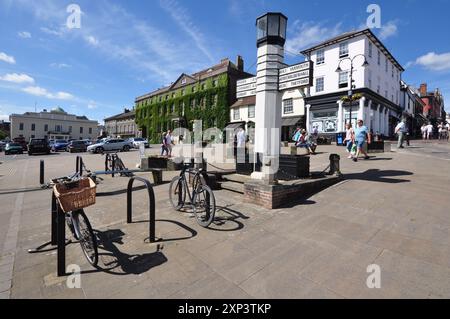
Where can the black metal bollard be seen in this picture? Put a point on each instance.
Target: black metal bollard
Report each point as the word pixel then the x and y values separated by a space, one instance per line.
pixel 41 172
pixel 335 165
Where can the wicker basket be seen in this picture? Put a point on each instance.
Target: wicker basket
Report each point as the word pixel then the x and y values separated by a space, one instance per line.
pixel 76 195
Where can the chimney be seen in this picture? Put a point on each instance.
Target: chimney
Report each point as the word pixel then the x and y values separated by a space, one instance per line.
pixel 224 60
pixel 423 89
pixel 126 110
pixel 240 63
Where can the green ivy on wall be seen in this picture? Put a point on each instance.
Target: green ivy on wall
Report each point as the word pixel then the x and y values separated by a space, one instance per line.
pixel 211 106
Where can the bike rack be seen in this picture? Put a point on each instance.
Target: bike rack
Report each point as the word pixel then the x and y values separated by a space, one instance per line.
pixel 151 211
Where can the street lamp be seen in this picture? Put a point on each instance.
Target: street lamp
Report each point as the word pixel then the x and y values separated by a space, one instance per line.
pixel 339 70
pixel 271 29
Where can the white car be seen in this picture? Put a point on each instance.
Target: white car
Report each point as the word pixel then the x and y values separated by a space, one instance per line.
pixel 110 145
pixel 137 141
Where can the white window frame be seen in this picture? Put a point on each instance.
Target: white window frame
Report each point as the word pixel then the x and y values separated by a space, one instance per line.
pixel 236 114
pixel 343 49
pixel 288 106
pixel 341 77
pixel 320 88
pixel 251 111
pixel 320 57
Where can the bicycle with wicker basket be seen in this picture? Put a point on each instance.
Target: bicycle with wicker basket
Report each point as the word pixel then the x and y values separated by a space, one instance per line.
pixel 201 197
pixel 73 194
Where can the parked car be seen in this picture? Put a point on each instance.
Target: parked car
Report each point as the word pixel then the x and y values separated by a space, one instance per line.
pixel 22 142
pixel 13 148
pixel 137 141
pixel 2 145
pixel 87 142
pixel 110 145
pixel 38 146
pixel 77 146
pixel 60 145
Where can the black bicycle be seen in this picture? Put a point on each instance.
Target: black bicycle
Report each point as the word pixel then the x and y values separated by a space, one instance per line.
pixel 201 197
pixel 79 224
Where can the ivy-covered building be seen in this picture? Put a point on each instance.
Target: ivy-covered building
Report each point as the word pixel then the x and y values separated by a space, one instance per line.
pixel 205 95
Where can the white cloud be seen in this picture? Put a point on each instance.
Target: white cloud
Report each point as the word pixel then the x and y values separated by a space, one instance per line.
pixel 60 65
pixel 52 31
pixel 7 58
pixel 388 30
pixel 306 34
pixel 181 16
pixel 433 61
pixel 38 91
pixel 17 78
pixel 4 117
pixel 92 105
pixel 92 40
pixel 24 35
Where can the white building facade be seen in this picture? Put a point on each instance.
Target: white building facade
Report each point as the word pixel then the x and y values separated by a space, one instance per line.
pixel 56 124
pixel 376 85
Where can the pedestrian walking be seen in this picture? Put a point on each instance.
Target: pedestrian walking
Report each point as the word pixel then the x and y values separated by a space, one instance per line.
pixel 169 143
pixel 361 138
pixel 164 144
pixel 400 130
pixel 429 131
pixel 423 130
pixel 349 138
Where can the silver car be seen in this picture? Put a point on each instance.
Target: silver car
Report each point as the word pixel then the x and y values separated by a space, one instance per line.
pixel 110 145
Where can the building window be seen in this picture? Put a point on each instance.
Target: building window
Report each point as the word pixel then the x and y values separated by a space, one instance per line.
pixel 392 71
pixel 370 79
pixel 32 136
pixel 288 106
pixel 46 128
pixel 172 108
pixel 216 100
pixel 343 80
pixel 320 57
pixel 319 84
pixel 370 49
pixel 33 127
pixel 379 58
pixel 21 126
pixel 58 128
pixel 70 129
pixel 251 111
pixel 203 86
pixel 236 114
pixel 387 66
pixel 192 104
pixel 160 98
pixel 343 50
pixel 81 130
pixel 90 130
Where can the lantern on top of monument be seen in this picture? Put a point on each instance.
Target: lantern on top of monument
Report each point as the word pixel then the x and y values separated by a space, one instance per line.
pixel 271 29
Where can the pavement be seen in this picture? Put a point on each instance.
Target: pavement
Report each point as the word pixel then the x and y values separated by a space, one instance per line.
pixel 391 211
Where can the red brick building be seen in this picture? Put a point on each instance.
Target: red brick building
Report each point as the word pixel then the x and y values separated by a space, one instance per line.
pixel 434 104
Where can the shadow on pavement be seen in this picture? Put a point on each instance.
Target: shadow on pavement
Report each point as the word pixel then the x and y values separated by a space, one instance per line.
pixel 118 263
pixel 20 190
pixel 124 191
pixel 381 176
pixel 231 217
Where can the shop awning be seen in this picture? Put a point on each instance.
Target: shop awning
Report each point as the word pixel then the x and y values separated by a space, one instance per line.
pixel 290 121
pixel 235 125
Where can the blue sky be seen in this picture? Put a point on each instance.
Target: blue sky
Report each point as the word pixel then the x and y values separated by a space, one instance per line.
pixel 127 48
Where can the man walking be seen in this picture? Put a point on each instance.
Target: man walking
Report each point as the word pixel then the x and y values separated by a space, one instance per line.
pixel 400 130
pixel 429 131
pixel 169 143
pixel 362 137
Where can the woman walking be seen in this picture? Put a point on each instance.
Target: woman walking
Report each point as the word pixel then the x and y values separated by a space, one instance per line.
pixel 349 139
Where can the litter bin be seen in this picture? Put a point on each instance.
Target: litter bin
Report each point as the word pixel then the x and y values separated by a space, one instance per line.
pixel 340 137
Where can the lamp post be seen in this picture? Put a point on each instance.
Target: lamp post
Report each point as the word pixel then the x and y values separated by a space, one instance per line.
pixel 339 70
pixel 271 37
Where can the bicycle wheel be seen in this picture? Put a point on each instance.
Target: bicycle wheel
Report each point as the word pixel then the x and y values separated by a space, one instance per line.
pixel 71 227
pixel 86 236
pixel 177 193
pixel 204 205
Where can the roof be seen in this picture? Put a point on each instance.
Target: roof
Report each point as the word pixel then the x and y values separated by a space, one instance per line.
pixel 121 116
pixel 249 100
pixel 354 34
pixel 224 66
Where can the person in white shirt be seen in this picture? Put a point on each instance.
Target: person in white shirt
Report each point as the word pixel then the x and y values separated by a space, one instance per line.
pixel 241 138
pixel 169 143
pixel 423 130
pixel 429 131
pixel 400 130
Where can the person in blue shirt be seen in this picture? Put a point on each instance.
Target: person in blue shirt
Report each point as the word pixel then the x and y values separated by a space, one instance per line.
pixel 361 137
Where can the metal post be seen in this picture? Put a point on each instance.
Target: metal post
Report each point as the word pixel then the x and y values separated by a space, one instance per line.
pixel 335 165
pixel 61 256
pixel 81 166
pixel 113 165
pixel 54 216
pixel 77 166
pixel 41 172
pixel 106 162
